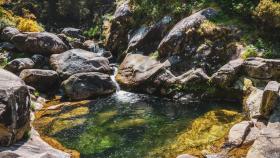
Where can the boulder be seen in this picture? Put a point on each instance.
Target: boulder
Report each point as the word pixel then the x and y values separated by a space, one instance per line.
pixel 17 65
pixel 40 61
pixel 42 80
pixel 172 41
pixel 227 74
pixel 252 102
pixel 262 68
pixel 14 108
pixel 238 133
pixel 116 36
pixel 78 61
pixel 253 134
pixel 147 39
pixel 267 144
pixel 73 32
pixel 39 43
pixel 92 46
pixel 270 98
pixel 34 147
pixel 88 85
pixel 137 69
pixel 7 46
pixel 191 77
pixel 8 33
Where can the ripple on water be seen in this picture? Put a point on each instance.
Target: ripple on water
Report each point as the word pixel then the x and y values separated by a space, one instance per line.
pixel 137 125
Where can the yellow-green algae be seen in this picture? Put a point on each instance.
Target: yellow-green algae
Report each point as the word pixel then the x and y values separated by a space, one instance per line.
pixel 152 128
pixel 205 133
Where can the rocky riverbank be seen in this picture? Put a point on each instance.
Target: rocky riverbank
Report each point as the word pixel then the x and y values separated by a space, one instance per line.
pixel 194 59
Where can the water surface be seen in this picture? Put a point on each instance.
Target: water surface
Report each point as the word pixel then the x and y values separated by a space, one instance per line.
pixel 129 125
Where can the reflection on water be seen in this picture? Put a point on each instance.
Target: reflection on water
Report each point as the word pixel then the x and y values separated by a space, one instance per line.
pixel 129 125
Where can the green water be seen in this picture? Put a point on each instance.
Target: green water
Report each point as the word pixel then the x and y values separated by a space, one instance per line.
pixel 124 125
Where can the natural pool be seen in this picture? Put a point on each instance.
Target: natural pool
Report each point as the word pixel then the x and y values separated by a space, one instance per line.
pixel 129 125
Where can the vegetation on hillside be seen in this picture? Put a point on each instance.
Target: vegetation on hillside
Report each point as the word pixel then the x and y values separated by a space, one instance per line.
pixel 7 18
pixel 258 19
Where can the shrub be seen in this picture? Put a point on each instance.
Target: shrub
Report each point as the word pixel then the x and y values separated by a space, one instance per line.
pixel 242 7
pixel 28 25
pixel 268 12
pixel 6 18
pixel 148 11
pixel 251 51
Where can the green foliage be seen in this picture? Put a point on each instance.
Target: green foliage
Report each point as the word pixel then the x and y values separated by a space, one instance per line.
pixel 37 93
pixel 242 7
pixel 32 106
pixel 27 135
pixel 147 11
pixel 154 55
pixel 268 12
pixel 3 62
pixel 250 51
pixel 93 32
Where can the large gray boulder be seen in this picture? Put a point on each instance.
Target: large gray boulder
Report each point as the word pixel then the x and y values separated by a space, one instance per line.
pixel 262 68
pixel 39 43
pixel 146 39
pixel 42 80
pixel 88 85
pixel 14 108
pixel 172 41
pixel 137 69
pixel 17 65
pixel 8 33
pixel 78 61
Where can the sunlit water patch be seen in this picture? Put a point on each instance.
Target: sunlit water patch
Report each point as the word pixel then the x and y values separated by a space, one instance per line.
pixel 129 125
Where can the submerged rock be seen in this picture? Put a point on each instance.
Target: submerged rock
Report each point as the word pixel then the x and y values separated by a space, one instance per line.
pixel 203 133
pixel 39 43
pixel 172 41
pixel 17 65
pixel 88 85
pixel 14 108
pixel 78 61
pixel 42 80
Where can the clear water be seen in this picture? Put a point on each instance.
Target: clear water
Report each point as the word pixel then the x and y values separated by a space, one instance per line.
pixel 127 125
